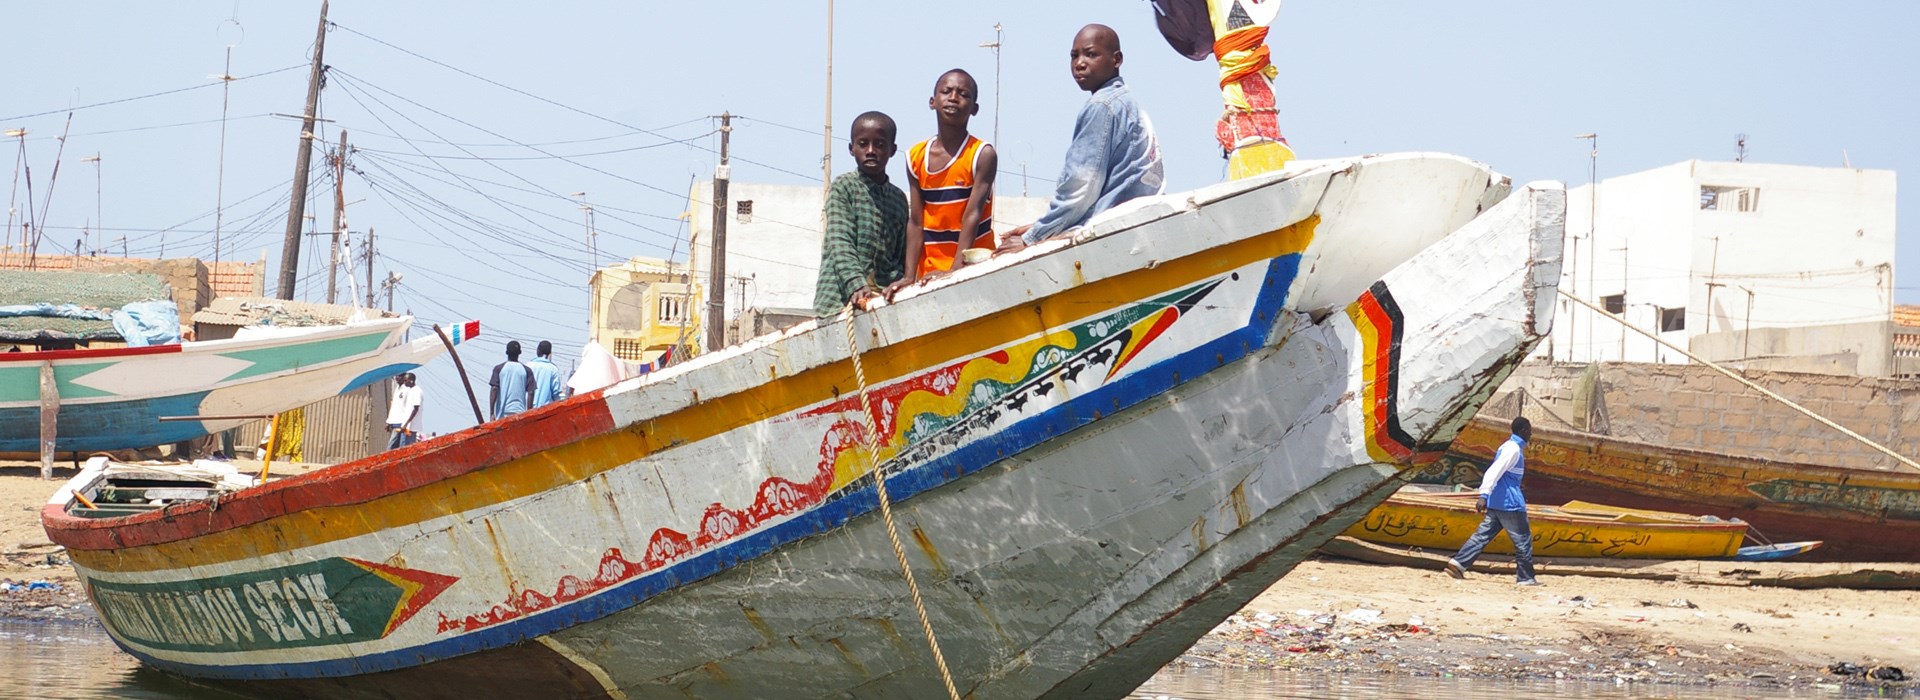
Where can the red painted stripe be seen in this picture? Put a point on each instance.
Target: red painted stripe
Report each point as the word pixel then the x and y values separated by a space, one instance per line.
pixel 87 353
pixel 1381 379
pixel 351 483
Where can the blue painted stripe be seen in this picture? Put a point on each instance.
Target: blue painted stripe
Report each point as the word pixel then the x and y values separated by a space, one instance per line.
pixel 105 426
pixel 857 499
pixel 945 194
pixel 953 235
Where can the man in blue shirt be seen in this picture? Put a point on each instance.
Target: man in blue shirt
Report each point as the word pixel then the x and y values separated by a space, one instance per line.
pixel 547 385
pixel 1114 156
pixel 512 385
pixel 1505 508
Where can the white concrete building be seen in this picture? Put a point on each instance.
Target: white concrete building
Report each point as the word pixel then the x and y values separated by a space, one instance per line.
pixel 1778 266
pixel 773 246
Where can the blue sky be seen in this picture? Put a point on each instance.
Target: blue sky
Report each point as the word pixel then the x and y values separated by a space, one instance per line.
pixel 486 229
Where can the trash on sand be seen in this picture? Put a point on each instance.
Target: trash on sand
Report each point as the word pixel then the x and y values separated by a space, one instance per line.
pixel 1363 616
pixel 1742 627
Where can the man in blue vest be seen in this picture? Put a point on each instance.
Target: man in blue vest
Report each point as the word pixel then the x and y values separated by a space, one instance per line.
pixel 1505 508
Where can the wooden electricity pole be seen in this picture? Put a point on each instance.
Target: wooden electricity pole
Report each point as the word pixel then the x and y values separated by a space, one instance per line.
pixel 717 271
pixel 339 214
pixel 370 267
pixel 297 211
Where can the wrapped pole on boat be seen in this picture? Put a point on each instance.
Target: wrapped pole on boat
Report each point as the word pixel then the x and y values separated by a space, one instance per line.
pixel 273 445
pixel 462 369
pixel 49 417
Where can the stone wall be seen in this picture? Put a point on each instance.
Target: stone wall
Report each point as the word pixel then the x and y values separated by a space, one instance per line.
pixel 1692 406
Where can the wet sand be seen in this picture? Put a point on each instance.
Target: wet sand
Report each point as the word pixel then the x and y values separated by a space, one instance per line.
pixel 1339 617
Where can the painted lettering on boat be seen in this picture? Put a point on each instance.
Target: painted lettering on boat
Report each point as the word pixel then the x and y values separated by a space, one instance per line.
pixel 331 601
pixel 1893 504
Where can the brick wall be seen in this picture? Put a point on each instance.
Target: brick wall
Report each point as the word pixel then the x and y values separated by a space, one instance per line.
pixel 1693 406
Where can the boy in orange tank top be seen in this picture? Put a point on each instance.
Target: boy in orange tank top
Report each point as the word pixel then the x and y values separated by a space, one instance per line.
pixel 949 183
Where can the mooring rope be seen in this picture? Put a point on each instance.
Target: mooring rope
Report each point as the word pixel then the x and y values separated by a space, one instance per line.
pixel 886 503
pixel 1808 412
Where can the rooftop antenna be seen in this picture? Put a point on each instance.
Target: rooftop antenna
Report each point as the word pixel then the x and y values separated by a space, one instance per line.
pixel 226 90
pixel 1740 148
pixel 995 45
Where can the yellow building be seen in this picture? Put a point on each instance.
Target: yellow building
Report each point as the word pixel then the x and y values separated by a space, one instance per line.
pixel 644 306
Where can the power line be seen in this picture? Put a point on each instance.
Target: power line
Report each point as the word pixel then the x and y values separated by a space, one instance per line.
pixel 142 97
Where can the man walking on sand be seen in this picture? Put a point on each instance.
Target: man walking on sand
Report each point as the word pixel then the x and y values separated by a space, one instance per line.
pixel 1505 508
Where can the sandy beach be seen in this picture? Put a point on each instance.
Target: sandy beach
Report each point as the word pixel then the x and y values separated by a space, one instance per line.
pixel 1336 616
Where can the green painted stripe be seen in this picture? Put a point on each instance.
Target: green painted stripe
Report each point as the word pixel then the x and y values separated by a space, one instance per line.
pixel 291 357
pixel 331 601
pixel 23 383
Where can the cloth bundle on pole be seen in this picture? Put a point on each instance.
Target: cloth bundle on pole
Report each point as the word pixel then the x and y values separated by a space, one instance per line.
pixel 1234 32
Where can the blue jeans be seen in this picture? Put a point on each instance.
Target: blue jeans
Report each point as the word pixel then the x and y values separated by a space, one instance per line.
pixel 400 438
pixel 1515 523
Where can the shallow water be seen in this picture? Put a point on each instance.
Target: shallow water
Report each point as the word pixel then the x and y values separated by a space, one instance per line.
pixel 74 660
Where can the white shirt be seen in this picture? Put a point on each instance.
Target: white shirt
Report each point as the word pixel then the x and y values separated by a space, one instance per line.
pixel 405 400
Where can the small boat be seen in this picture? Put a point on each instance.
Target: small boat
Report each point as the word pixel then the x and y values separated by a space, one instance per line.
pixel 1095 451
pixel 1418 517
pixel 1861 515
pixel 136 397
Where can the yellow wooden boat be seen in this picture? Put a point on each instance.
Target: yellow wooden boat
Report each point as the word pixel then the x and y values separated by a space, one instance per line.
pixel 1417 517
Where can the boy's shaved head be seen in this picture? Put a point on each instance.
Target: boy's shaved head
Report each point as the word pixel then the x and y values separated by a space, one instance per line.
pixel 972 85
pixel 1103 34
pixel 877 120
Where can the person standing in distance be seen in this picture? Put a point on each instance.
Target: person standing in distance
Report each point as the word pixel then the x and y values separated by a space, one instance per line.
pixel 548 386
pixel 1504 508
pixel 511 389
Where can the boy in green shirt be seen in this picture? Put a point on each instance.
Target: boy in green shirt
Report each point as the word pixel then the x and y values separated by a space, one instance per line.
pixel 865 245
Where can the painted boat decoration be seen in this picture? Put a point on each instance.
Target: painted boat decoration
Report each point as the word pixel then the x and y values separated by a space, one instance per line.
pixel 1860 515
pixel 113 399
pixel 1096 449
pixel 1438 520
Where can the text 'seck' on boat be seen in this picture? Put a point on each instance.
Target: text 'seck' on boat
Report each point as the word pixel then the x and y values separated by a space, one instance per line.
pixel 1096 450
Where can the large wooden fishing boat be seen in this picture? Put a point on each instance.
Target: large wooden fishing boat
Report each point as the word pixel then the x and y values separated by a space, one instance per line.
pixel 1096 450
pixel 127 398
pixel 1861 515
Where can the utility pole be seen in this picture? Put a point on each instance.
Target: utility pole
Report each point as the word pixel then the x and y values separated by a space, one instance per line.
pixel 369 267
pixel 392 280
pixel 1593 246
pixel 593 238
pixel 995 45
pixel 297 210
pixel 826 154
pixel 717 270
pixel 339 214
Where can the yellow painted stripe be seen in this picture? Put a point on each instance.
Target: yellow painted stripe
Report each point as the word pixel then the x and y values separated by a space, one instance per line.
pixel 577 461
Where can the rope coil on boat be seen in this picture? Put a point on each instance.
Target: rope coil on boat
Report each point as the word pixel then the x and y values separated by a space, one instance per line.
pixel 886 503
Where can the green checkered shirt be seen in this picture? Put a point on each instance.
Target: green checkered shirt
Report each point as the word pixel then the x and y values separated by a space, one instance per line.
pixel 866 240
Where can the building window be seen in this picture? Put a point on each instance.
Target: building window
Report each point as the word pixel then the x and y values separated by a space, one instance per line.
pixel 743 210
pixel 1673 319
pixel 1743 199
pixel 629 349
pixel 1614 303
pixel 673 309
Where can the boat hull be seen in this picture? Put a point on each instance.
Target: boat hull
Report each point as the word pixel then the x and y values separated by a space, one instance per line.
pixel 1860 515
pixel 114 399
pixel 1444 522
pixel 1095 453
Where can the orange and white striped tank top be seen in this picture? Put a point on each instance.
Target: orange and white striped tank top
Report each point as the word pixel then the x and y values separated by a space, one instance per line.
pixel 943 200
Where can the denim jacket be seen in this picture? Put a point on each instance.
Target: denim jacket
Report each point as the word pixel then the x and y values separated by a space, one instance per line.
pixel 1114 157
